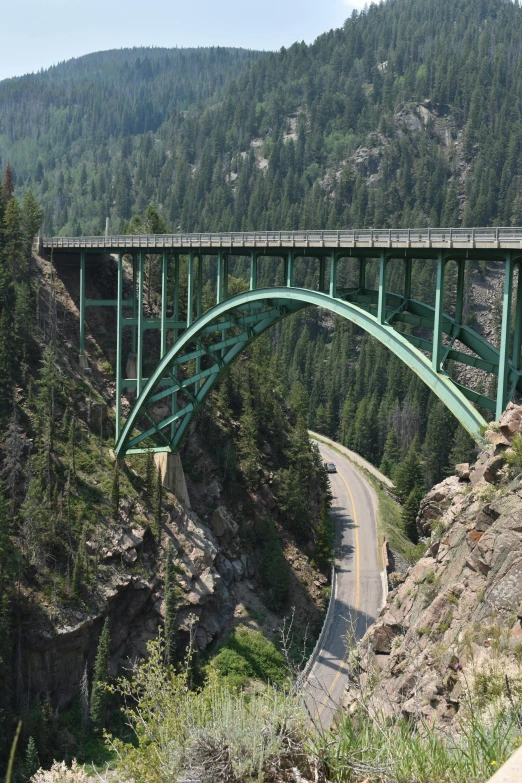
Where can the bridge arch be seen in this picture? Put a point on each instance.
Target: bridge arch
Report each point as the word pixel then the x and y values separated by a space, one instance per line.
pixel 220 334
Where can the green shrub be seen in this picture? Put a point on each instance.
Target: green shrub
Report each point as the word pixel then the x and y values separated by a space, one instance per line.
pixel 248 654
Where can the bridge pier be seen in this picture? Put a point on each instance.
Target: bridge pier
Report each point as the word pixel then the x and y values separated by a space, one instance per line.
pixel 172 475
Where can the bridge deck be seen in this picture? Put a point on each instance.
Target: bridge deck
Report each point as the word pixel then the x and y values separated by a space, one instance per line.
pixel 362 241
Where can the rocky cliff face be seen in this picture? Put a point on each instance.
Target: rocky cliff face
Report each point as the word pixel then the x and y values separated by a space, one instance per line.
pixel 452 627
pixel 219 576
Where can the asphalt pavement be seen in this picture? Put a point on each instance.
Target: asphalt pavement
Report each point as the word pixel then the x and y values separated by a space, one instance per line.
pixel 358 590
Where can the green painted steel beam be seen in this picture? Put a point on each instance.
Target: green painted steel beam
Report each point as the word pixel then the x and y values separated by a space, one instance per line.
pixel 505 341
pixel 82 303
pixel 106 303
pixel 517 335
pixel 164 292
pixel 381 302
pixel 333 275
pixel 190 288
pixel 440 383
pixel 253 270
pixel 134 302
pixel 119 330
pixel 438 314
pixel 139 353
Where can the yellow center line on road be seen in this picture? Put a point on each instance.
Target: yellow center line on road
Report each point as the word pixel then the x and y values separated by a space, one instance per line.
pixel 357 592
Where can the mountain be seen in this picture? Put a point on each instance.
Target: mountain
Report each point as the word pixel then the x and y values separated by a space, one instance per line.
pixel 59 125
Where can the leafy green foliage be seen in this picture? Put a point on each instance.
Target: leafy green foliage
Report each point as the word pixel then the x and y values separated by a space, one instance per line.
pixel 247 655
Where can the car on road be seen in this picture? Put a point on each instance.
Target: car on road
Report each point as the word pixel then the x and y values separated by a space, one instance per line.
pixel 330 467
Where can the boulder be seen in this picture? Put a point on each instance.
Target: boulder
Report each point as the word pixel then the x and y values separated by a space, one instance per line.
pixel 511 420
pixel 462 471
pixel 223 525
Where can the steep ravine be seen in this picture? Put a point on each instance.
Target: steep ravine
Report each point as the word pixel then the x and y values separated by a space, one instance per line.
pixel 219 570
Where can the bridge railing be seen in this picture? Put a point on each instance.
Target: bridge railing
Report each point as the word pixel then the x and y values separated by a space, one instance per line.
pixel 402 237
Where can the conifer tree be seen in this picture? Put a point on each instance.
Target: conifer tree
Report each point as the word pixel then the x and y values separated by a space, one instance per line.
pixel 15 445
pixel 171 607
pixel 6 367
pixel 390 457
pixel 324 534
pixel 409 474
pixel 99 693
pixel 31 762
pixel 8 184
pixel 409 514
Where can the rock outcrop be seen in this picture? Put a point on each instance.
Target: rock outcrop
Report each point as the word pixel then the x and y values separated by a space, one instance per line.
pixel 453 627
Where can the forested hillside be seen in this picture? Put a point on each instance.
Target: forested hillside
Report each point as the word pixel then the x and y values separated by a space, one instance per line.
pixel 408 115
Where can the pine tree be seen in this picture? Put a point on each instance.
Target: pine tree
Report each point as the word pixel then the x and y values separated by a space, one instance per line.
pixel 8 184
pixel 100 679
pixel 6 366
pixel 115 492
pixel 463 449
pixel 409 514
pixel 390 457
pixel 324 535
pixel 8 553
pixel 31 762
pixel 15 445
pixel 409 474
pixel 171 607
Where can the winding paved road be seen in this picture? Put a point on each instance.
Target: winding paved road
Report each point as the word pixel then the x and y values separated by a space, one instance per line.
pixel 359 588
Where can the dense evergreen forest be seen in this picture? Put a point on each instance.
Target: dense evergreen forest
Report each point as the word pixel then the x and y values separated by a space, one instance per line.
pixel 410 114
pixel 407 115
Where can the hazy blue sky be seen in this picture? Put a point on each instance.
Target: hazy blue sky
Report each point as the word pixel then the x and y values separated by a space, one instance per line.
pixel 39 33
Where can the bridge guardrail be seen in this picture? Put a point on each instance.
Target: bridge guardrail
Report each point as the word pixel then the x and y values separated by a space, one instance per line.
pixel 407 237
pixel 303 676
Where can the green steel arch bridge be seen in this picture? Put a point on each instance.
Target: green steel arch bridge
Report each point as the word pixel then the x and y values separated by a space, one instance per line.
pixel 196 349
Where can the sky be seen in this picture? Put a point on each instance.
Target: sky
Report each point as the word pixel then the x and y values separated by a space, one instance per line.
pixel 40 33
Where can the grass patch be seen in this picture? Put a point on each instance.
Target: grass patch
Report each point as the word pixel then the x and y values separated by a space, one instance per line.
pixel 247 655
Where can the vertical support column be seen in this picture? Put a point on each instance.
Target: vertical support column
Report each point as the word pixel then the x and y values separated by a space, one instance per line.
pixel 175 315
pixel 139 362
pixel 362 274
pixel 190 288
pixel 381 302
pixel 199 300
pixel 517 337
pixel 199 306
pixel 290 270
pixel 438 314
pixel 134 301
pixel 333 275
pixel 407 278
pixel 459 305
pixel 505 334
pixel 82 302
pixel 225 276
pixel 322 268
pixel 119 325
pixel 253 270
pixel 163 349
pixel 219 280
